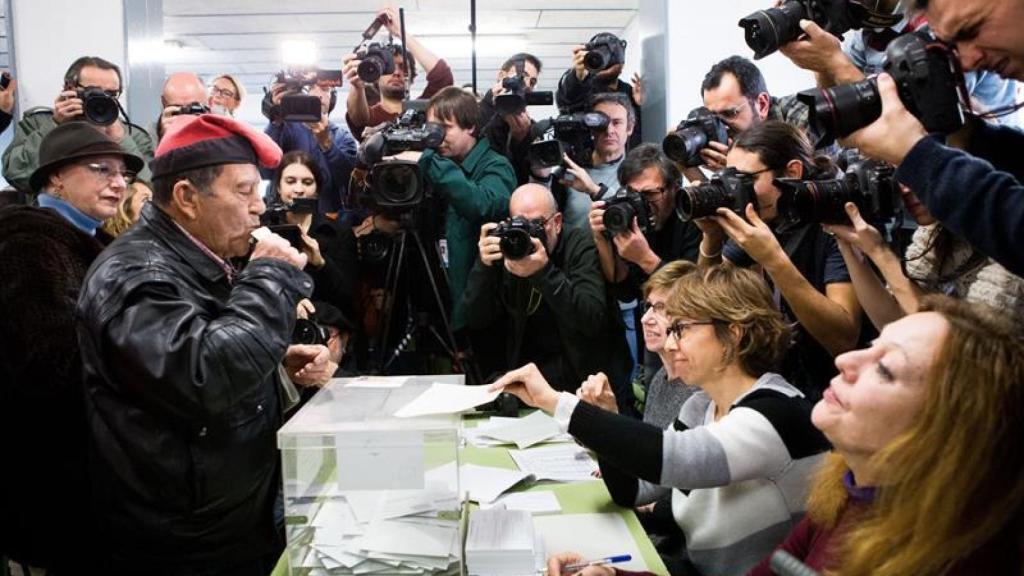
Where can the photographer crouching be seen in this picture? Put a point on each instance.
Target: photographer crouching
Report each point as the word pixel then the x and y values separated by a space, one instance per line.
pixel 546 281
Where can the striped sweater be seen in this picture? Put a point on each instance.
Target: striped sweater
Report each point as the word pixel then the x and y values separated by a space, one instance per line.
pixel 738 485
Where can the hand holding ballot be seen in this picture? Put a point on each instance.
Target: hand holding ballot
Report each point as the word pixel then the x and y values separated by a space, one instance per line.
pixel 529 385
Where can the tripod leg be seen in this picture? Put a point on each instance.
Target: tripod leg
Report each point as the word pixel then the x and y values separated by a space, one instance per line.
pixel 391 283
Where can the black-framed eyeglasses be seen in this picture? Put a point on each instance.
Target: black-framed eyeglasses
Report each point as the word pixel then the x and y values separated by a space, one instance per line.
pixel 658 307
pixel 651 195
pixel 754 173
pixel 223 92
pixel 108 172
pixel 543 220
pixel 678 328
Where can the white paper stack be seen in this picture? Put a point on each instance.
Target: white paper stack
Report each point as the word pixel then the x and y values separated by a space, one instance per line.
pixel 522 432
pixel 560 462
pixel 501 543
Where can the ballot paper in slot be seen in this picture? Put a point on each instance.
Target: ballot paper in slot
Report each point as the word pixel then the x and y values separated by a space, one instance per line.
pixel 523 432
pixel 501 542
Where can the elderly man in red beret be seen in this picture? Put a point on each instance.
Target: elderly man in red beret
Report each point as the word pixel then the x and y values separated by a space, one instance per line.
pixel 184 355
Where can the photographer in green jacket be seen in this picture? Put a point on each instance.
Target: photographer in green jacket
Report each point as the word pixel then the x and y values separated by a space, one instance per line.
pixel 91 89
pixel 472 179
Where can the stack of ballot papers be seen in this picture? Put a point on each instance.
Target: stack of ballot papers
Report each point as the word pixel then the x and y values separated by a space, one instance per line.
pixel 523 432
pixel 502 543
pixel 560 462
pixel 385 532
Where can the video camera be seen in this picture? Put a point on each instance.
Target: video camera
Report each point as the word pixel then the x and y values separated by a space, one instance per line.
pixel 517 96
pixel 928 78
pixel 604 51
pixel 569 134
pixel 727 189
pixel 692 135
pixel 515 236
pixel 398 183
pixel 766 30
pixel 296 105
pixel 275 218
pixel 620 210
pixel 867 183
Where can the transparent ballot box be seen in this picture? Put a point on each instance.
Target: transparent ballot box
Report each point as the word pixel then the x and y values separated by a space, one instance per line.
pixel 366 492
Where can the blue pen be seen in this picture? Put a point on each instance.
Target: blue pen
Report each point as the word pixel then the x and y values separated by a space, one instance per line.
pixel 574 568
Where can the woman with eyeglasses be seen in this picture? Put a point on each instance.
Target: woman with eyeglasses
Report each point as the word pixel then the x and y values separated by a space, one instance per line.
pixel 738 459
pixel 936 261
pixel 45 251
pixel 801 262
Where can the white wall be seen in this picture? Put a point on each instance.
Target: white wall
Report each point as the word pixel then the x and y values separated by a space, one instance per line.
pixel 49 35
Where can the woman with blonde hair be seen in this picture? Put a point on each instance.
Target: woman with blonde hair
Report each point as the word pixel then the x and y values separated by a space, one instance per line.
pixel 138 194
pixel 738 461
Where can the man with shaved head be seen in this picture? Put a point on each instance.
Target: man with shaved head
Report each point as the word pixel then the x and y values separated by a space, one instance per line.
pixel 181 89
pixel 553 299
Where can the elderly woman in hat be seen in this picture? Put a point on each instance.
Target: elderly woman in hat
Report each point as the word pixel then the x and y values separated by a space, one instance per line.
pixel 44 254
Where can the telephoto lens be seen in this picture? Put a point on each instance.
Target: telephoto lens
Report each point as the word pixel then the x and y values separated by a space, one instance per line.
pixel 728 189
pixel 98 106
pixel 598 58
pixel 766 30
pixel 866 183
pixel 622 208
pixel 374 62
pixel 693 135
pixel 618 219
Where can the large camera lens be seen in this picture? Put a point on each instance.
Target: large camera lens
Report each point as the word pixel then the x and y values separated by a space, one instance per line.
pixel 597 58
pixel 684 145
pixel 546 153
pixel 375 62
pixel 396 183
pixel 516 244
pixel 766 30
pixel 842 110
pixel 309 332
pixel 821 201
pixel 99 107
pixel 704 200
pixel 618 219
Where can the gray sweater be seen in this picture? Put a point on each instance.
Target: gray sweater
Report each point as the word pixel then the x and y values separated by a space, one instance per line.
pixel 664 399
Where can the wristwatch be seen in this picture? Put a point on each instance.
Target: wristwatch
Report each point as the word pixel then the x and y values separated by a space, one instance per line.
pixel 601 191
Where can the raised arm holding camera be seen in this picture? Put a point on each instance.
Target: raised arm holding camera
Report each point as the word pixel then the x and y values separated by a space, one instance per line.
pixel 90 93
pixel 504 111
pixel 546 280
pixel 392 75
pixel 596 67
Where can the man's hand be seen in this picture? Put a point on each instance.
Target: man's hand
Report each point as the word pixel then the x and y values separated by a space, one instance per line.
pixel 819 51
pixel 167 116
pixel 860 235
pixel 66 107
pixel 581 182
pixel 578 52
pixel 304 308
pixel 277 91
pixel 714 156
pixel 531 264
pixel 277 248
pixel 392 22
pixel 312 251
pixel 638 89
pixel 350 68
pixel 529 385
pixel 309 364
pixel 489 246
pixel 321 133
pixel 596 217
pixel 518 125
pixel 752 235
pixel 597 390
pixel 7 97
pixel 634 248
pixel 894 134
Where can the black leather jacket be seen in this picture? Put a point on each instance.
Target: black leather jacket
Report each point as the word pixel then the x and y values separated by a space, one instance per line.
pixel 181 398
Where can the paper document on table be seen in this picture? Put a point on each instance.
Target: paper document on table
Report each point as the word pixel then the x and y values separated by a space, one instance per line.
pixel 479 435
pixel 525 432
pixel 592 536
pixel 543 502
pixel 377 382
pixel 483 483
pixel 561 462
pixel 446 399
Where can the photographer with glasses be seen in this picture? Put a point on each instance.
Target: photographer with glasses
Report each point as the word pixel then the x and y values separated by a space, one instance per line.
pixel 546 281
pixel 509 134
pixel 92 87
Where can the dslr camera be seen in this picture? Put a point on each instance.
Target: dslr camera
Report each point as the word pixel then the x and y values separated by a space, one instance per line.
pixel 517 95
pixel 310 332
pixel 867 183
pixel 398 183
pixel 620 210
pixel 927 76
pixel 98 107
pixel 569 134
pixel 515 237
pixel 375 58
pixel 766 30
pixel 727 189
pixel 274 218
pixel 193 109
pixel 296 105
pixel 692 135
pixel 604 51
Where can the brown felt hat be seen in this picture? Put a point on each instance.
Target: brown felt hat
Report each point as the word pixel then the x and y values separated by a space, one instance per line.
pixel 74 140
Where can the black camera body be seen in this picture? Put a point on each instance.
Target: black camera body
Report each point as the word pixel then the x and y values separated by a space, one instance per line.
pixel 622 207
pixel 516 236
pixel 604 51
pixel 569 134
pixel 727 189
pixel 299 106
pixel 766 30
pixel 309 332
pixel 927 78
pixel 700 128
pixel 98 107
pixel 193 109
pixel 516 97
pixel 398 183
pixel 867 183
pixel 375 60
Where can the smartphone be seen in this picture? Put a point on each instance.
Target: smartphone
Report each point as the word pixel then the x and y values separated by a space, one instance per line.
pixel 5 80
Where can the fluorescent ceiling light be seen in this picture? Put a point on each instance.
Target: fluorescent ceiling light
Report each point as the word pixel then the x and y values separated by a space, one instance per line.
pixel 156 51
pixel 462 46
pixel 298 52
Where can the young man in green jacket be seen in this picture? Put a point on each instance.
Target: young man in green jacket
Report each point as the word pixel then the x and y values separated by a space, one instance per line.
pixel 474 181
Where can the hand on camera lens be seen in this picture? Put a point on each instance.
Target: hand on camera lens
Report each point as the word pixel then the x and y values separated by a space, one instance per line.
pixel 531 264
pixel 714 156
pixel 578 53
pixel 67 106
pixel 752 235
pixel 489 246
pixel 817 50
pixel 596 217
pixel 894 134
pixel 860 235
pixel 350 68
pixel 632 246
pixel 277 248
pixel 597 390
